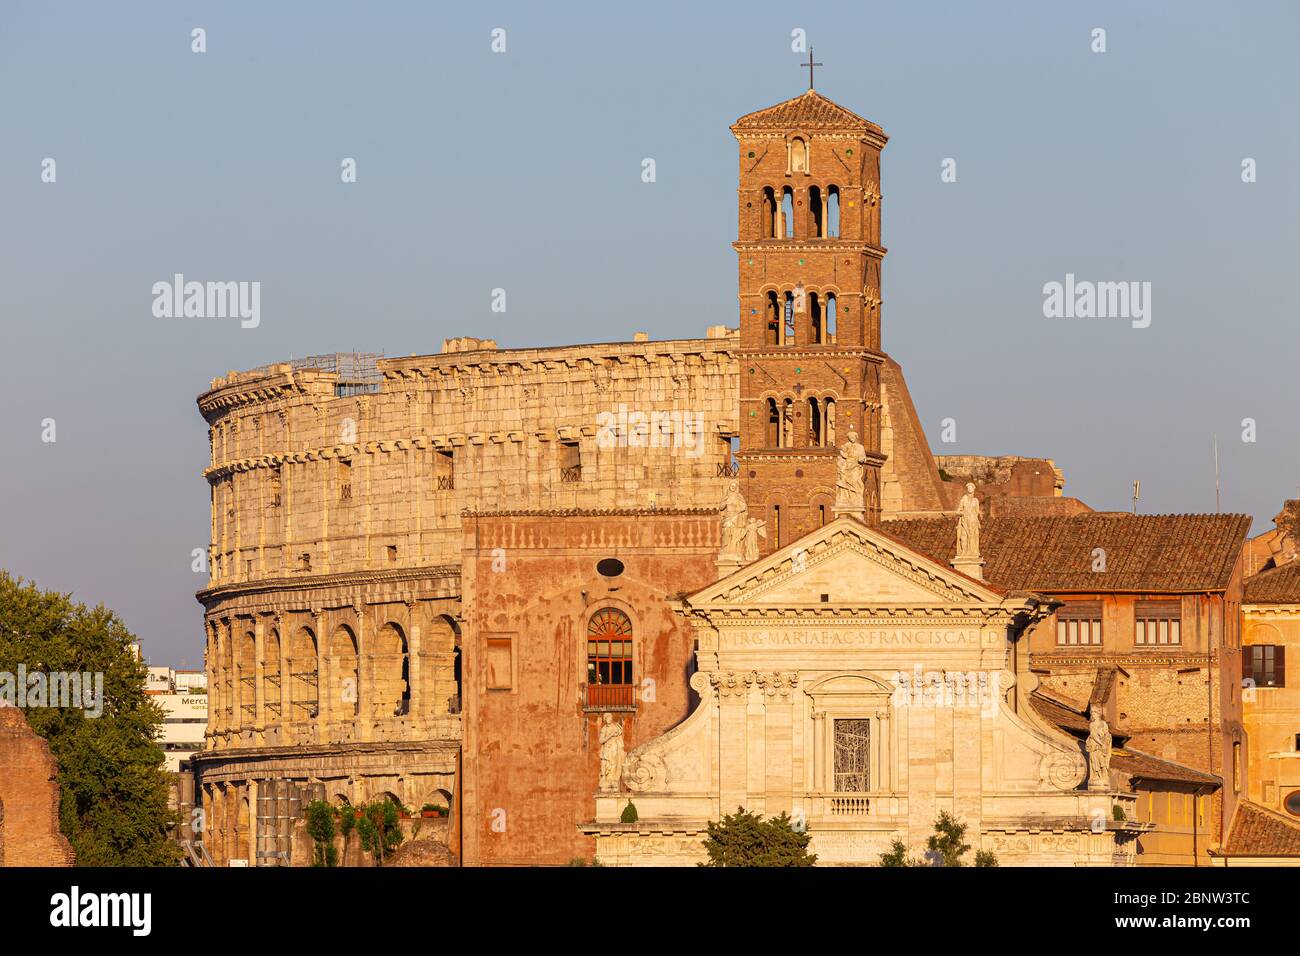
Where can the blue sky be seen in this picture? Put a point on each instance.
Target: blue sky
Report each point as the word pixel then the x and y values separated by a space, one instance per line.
pixel 522 171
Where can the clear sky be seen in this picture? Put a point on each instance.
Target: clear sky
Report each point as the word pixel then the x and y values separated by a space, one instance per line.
pixel 522 170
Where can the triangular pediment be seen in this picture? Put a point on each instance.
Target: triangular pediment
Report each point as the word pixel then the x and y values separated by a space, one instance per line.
pixel 845 564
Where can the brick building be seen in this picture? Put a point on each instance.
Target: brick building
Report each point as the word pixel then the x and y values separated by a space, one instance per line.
pixel 29 797
pixel 1148 625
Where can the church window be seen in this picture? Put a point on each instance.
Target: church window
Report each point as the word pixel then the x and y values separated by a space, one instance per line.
pixel 1265 664
pixel 787 424
pixel 814 423
pixel 829 319
pixel 787 213
pixel 609 659
pixel 817 209
pixel 1077 623
pixel 774 320
pixel 828 433
pixel 769 213
pixel 833 212
pixel 773 425
pixel 776 526
pixel 798 156
pixel 815 318
pixel 609 567
pixel 787 337
pixel 1158 622
pixel 853 755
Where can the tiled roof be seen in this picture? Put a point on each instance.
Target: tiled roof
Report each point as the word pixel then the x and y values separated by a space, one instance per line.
pixel 1067 718
pixel 1137 764
pixel 810 111
pixel 1258 831
pixel 1274 586
pixel 1050 554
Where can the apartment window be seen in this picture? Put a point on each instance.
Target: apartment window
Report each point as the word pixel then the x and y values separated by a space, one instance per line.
pixel 853 755
pixel 1157 623
pixel 1079 623
pixel 1265 664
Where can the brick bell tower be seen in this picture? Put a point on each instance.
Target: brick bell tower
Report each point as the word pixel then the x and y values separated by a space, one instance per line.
pixel 809 255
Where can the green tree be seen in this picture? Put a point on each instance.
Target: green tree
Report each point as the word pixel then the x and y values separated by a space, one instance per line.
pixel 746 839
pixel 945 848
pixel 379 829
pixel 320 827
pixel 113 789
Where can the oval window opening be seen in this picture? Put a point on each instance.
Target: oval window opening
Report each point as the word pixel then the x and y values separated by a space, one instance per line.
pixel 610 567
pixel 1293 803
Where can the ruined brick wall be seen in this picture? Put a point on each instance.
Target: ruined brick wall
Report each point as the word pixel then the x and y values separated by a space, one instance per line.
pixel 531 752
pixel 29 797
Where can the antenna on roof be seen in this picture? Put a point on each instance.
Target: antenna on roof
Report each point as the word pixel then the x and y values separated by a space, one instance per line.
pixel 1216 474
pixel 1136 487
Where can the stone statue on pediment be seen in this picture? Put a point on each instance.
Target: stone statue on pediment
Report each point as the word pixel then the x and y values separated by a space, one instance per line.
pixel 735 522
pixel 754 529
pixel 968 524
pixel 850 473
pixel 611 752
pixel 1098 746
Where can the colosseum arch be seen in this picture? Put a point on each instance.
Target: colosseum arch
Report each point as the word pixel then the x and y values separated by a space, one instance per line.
pixel 304 680
pixel 246 674
pixel 272 684
pixel 390 675
pixel 443 646
pixel 345 682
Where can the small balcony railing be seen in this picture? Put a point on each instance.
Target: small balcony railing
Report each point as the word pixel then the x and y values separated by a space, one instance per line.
pixel 571 475
pixel 609 697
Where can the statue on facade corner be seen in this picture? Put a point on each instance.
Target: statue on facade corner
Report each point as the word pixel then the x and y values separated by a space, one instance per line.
pixel 754 529
pixel 1098 746
pixel 968 524
pixel 849 474
pixel 735 517
pixel 611 752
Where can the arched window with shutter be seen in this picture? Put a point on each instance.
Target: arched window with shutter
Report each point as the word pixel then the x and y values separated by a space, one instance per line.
pixel 609 661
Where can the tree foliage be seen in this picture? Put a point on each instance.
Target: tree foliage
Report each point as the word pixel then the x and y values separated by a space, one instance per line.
pixel 945 848
pixel 379 829
pixel 113 789
pixel 320 827
pixel 746 839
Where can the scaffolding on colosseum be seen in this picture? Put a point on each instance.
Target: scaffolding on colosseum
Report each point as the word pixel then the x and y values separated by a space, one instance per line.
pixel 357 372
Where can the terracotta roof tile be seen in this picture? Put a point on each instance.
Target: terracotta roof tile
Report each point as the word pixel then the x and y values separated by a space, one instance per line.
pixel 1258 831
pixel 1274 586
pixel 1051 554
pixel 1137 764
pixel 810 111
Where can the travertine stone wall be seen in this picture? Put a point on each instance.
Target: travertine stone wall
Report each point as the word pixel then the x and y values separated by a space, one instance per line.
pixel 379 479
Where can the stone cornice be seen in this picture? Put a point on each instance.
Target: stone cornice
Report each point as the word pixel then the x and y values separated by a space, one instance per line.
pixel 496 363
pixel 298 751
pixel 818 615
pixel 589 512
pixel 308 582
pixel 836 246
